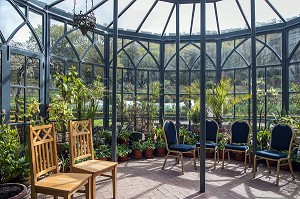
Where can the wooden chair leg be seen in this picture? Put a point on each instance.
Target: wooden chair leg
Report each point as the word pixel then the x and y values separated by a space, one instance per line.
pixel 165 161
pixel 249 154
pixel 245 164
pixel 114 179
pixel 223 159
pixel 291 169
pixel 93 187
pixel 33 194
pixel 228 155
pixel 254 166
pixel 88 189
pixel 215 157
pixel 182 165
pixel 278 170
pixel 56 197
pixel 268 165
pixel 195 159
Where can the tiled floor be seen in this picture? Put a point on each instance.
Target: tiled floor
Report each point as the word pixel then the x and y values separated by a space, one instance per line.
pixel 145 179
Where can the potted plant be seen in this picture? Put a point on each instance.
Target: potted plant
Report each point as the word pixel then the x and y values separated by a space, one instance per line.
pixel 160 145
pixel 222 140
pixel 122 152
pixel 123 136
pixel 148 147
pixel 102 152
pixel 65 164
pixel 137 149
pixel 219 99
pixel 14 166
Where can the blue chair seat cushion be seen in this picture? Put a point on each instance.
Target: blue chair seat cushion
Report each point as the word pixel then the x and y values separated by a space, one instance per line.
pixel 210 145
pixel 236 147
pixel 272 154
pixel 182 147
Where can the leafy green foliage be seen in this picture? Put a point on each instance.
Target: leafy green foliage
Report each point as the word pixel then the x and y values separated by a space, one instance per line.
pixel 103 151
pixel 159 133
pixel 137 145
pixel 263 137
pixel 124 134
pixel 148 144
pixel 123 150
pixel 14 166
pixel 219 99
pixel 160 144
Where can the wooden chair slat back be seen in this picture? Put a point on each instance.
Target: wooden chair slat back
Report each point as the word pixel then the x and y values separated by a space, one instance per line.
pixel 81 140
pixel 42 150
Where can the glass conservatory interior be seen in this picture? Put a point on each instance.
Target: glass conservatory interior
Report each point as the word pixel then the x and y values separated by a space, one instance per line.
pixel 158 62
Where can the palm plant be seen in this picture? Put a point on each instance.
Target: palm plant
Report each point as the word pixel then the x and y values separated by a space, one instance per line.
pixel 219 99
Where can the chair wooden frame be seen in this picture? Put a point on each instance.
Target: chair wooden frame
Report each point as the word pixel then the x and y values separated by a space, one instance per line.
pixel 247 151
pixel 81 147
pixel 288 158
pixel 178 155
pixel 45 177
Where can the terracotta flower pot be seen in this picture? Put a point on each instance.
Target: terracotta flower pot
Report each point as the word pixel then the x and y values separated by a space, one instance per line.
pixel 209 153
pixel 137 154
pixel 13 191
pixel 160 151
pixel 123 159
pixel 189 155
pixel 221 154
pixel 148 153
pixel 239 156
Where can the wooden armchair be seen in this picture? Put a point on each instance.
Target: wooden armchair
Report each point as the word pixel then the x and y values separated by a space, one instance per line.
pixel 81 148
pixel 43 162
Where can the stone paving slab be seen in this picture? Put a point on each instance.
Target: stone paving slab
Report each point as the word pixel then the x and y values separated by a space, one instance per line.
pixel 144 179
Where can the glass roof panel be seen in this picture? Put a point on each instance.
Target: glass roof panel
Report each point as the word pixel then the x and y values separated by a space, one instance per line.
pixel 196 23
pixel 230 17
pixel 10 19
pixel 171 28
pixel 185 16
pixel 289 9
pixel 211 23
pixel 104 14
pixel 265 15
pixel 132 18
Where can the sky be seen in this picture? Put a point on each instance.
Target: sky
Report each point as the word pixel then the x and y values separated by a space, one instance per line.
pixel 228 11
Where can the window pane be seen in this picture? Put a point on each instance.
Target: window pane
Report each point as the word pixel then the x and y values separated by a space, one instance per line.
pixel 33 72
pixel 17 69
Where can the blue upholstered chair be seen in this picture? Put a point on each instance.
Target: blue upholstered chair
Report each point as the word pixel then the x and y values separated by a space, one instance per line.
pixel 239 141
pixel 212 129
pixel 174 147
pixel 279 150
